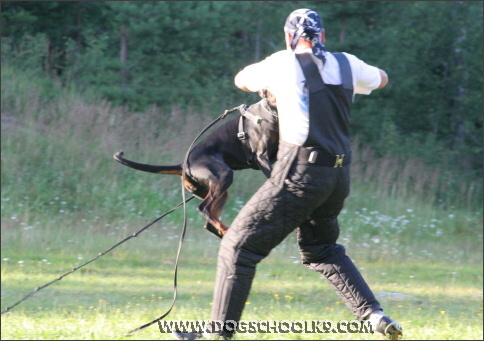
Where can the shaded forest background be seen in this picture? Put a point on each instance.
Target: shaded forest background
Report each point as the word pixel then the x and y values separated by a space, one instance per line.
pixel 144 54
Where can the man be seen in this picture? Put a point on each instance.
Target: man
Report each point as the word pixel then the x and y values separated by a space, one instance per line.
pixel 310 181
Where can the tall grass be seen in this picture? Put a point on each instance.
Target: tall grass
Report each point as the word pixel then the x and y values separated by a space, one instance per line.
pixel 413 178
pixel 57 166
pixel 63 148
pixel 62 145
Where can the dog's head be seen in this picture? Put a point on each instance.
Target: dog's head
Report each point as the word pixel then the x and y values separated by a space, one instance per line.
pixel 271 98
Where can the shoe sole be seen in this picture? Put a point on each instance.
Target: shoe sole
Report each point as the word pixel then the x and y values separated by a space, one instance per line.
pixel 393 332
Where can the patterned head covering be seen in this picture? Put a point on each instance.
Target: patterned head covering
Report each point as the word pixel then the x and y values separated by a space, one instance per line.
pixel 307 24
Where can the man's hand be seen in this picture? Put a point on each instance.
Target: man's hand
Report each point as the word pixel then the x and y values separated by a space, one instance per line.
pixel 263 93
pixel 384 79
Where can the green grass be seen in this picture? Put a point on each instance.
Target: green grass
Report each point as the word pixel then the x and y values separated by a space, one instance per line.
pixel 132 285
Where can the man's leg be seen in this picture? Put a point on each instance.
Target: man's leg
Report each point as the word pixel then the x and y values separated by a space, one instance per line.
pixel 261 225
pixel 317 242
pixel 273 212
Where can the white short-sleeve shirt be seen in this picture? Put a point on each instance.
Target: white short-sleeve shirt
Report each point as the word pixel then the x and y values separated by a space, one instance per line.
pixel 282 75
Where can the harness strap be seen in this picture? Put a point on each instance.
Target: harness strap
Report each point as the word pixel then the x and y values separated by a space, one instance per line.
pixel 259 120
pixel 274 115
pixel 244 138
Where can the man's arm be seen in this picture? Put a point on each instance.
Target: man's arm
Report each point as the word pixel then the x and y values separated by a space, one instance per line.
pixel 240 80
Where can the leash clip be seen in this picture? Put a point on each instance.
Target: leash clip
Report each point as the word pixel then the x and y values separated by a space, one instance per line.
pixel 228 111
pixel 242 135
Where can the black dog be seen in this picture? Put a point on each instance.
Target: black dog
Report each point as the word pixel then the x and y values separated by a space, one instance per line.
pixel 248 141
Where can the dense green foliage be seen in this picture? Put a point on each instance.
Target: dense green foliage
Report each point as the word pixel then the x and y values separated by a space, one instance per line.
pixel 143 53
pixel 154 55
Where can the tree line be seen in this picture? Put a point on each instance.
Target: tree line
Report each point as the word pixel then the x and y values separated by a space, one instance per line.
pixel 143 53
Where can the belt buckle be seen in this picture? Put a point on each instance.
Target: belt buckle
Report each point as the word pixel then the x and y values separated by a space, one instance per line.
pixel 339 160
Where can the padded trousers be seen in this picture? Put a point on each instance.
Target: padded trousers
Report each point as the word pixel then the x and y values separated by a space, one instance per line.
pixel 298 196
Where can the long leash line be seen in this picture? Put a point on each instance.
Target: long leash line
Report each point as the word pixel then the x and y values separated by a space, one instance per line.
pixel 37 289
pixel 182 237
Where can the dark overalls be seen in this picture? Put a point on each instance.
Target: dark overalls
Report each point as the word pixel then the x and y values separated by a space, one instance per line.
pixel 306 191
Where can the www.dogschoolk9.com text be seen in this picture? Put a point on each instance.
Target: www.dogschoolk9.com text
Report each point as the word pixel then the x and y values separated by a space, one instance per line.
pixel 268 326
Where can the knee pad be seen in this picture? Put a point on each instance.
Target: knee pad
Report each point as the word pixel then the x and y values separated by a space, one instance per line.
pixel 321 230
pixel 321 253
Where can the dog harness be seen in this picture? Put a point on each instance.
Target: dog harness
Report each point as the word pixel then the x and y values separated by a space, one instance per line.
pixel 258 120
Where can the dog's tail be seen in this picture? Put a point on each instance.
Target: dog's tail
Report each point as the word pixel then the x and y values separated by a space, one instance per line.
pixel 176 169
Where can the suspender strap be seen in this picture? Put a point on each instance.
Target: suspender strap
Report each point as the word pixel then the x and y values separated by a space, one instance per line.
pixel 345 70
pixel 329 106
pixel 314 82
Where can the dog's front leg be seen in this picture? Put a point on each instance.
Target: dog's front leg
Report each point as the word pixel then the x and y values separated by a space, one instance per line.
pixel 212 229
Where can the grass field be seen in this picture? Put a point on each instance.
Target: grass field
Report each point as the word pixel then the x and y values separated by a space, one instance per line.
pixel 133 284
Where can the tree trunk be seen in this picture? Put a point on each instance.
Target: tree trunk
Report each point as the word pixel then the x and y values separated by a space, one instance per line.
pixel 123 56
pixel 459 78
pixel 79 9
pixel 48 56
pixel 342 30
pixel 257 41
